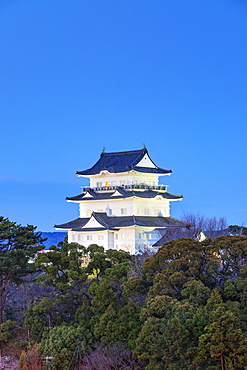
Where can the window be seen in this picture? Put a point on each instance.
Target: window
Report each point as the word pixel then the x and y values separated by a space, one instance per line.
pixel 116 236
pixel 89 237
pixel 128 235
pixel 140 235
pixel 146 211
pixel 88 212
pixel 79 237
pixel 100 237
pixel 123 211
pixel 73 237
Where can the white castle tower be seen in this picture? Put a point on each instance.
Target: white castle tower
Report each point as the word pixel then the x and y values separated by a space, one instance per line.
pixel 124 207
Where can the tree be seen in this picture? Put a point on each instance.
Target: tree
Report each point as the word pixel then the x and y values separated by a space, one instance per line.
pixel 65 344
pixel 197 223
pixel 18 246
pixel 223 342
pixel 62 267
pixel 237 230
pixel 177 262
pixel 231 252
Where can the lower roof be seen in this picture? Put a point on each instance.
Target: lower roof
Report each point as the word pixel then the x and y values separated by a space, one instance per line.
pixel 114 223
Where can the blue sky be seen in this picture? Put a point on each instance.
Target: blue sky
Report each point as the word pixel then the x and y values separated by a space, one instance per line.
pixel 80 75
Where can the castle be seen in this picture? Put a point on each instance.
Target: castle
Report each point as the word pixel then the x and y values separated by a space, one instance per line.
pixel 124 207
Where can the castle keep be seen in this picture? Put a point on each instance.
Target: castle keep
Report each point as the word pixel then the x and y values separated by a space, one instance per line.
pixel 124 207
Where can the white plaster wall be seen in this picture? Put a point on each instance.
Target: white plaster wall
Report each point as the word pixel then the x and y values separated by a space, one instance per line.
pixel 123 179
pixel 143 238
pixel 119 240
pixel 127 207
pixel 133 239
pixel 88 238
pixel 124 239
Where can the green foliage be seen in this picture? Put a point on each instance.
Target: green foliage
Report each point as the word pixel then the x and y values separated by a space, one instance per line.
pixel 196 292
pixel 186 309
pixel 18 245
pixel 135 289
pixel 38 316
pixel 61 266
pixel 103 297
pixel 223 343
pixel 7 330
pixel 106 330
pixel 120 326
pixel 63 343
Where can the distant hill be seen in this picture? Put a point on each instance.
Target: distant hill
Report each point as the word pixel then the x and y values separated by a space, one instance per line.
pixel 53 238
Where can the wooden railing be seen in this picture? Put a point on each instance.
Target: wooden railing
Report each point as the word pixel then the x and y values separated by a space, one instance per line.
pixel 127 187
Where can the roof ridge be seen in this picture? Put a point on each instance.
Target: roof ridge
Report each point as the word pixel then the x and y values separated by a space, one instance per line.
pixel 124 152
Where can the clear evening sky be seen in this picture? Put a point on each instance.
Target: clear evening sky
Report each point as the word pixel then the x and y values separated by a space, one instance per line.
pixel 80 75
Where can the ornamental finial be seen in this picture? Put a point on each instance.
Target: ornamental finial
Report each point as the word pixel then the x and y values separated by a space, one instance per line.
pixel 103 150
pixel 144 145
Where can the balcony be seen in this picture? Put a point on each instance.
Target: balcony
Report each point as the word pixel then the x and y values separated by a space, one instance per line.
pixel 127 187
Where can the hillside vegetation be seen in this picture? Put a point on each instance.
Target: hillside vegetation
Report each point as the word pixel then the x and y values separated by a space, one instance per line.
pixel 182 308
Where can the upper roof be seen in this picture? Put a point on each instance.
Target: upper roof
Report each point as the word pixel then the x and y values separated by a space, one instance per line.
pixel 137 160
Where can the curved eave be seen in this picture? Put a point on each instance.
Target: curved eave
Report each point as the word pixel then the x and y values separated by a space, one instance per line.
pixel 78 222
pixel 148 170
pixel 91 229
pixel 142 195
pixel 156 171
pixel 176 197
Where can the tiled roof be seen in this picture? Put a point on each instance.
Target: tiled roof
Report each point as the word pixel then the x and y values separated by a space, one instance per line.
pixel 172 234
pixel 78 222
pixel 214 233
pixel 123 221
pixel 125 194
pixel 121 162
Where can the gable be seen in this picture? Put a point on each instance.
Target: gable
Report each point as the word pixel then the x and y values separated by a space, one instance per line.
pixel 92 223
pixel 87 195
pixel 117 194
pixel 146 162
